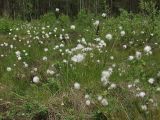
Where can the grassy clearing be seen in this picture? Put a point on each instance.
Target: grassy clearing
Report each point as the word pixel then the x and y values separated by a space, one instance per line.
pixel 63 70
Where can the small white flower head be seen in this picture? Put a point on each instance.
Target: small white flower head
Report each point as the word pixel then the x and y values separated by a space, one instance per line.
pixel 36 79
pixel 158 89
pixel 144 107
pixel 50 72
pixel 83 41
pixel 60 50
pixel 78 47
pixel 124 46
pixel 46 49
pixel 131 42
pixel 104 15
pixel 122 33
pixel 25 64
pixel 151 100
pixel 114 65
pixel 66 36
pixel 109 37
pixel 35 69
pixel 98 61
pixel 11 46
pixel 76 86
pixel 142 32
pixel 73 27
pixel 65 61
pixel 158 74
pixel 99 98
pixel 141 94
pixel 57 9
pixel 134 32
pixel 96 23
pixel 104 102
pixel 147 49
pixel 112 57
pixel 2 55
pixel 138 54
pixel 87 96
pixel 120 27
pixel 130 86
pixel 112 86
pixel 18 53
pixel 61 45
pixel 62 104
pixel 9 69
pixel 78 58
pixel 88 102
pixel 152 34
pixel 44 58
pixel 106 74
pixel 19 58
pixel 110 69
pixel 151 80
pixel 47 35
pixel 130 58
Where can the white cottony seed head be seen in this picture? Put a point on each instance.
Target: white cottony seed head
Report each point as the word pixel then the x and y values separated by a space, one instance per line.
pixel 76 86
pixel 104 102
pixel 36 79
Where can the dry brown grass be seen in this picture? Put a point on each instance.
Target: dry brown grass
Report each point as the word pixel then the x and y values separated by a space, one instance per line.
pixel 70 103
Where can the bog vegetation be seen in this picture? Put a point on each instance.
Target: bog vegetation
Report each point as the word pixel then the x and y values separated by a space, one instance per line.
pixel 87 67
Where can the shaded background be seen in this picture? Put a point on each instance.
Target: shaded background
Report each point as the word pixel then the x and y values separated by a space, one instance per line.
pixel 33 9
